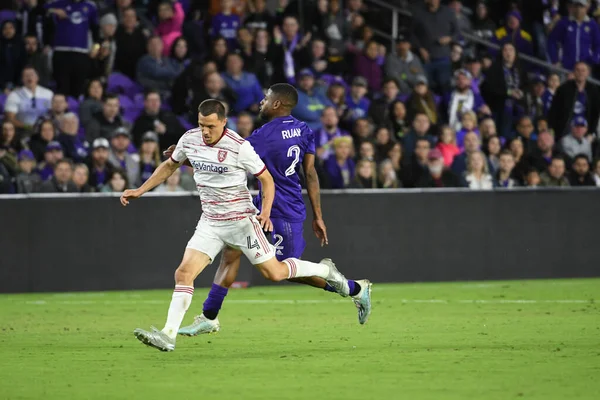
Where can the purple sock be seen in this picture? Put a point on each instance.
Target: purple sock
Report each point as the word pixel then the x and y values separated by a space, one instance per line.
pixel 214 301
pixel 329 288
pixel 352 286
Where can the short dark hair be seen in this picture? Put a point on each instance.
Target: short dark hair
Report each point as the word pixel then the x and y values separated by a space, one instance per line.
pixel 245 114
pixel 422 139
pixel 64 161
pixel 148 92
pixel 110 96
pixel 285 93
pixel 558 157
pixel 388 80
pixel 580 155
pixel 212 106
pixel 59 94
pixel 506 152
pixel 29 66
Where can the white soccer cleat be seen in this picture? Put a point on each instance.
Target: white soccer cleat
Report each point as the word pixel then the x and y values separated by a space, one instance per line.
pixel 201 325
pixel 336 279
pixel 156 338
pixel 363 300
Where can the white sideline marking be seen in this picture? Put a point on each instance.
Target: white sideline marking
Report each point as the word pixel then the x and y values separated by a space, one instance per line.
pixel 282 301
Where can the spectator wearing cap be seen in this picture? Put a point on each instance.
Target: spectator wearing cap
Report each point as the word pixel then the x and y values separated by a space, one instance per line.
pixel 149 156
pixel 580 172
pixel 225 24
pixel 552 84
pixel 576 38
pixel 311 100
pixel 73 21
pixel 462 99
pixel 423 101
pixel 380 107
pixel 52 155
pixel 473 65
pixel 404 65
pixel 503 177
pixel 130 39
pixel 576 142
pixel 61 181
pixel 104 123
pixel 81 175
pixel 472 144
pixel 25 105
pixel 435 27
pixel 154 70
pixel 27 180
pixel 367 65
pixel 340 166
pixel 541 155
pixel 357 104
pixel 154 119
pixel 103 56
pixel 11 56
pixel 245 85
pixel 46 133
pixel 534 99
pixel 420 129
pixel 435 175
pixel 120 158
pixel 98 163
pixel 555 176
pixel 512 33
pixel 75 148
pixel 170 22
pixel 325 136
pixel 38 59
pixel 575 98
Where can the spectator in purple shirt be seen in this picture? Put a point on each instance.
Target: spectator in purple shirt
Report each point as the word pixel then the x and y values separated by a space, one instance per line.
pixel 226 24
pixel 367 64
pixel 357 104
pixel 52 155
pixel 325 136
pixel 339 167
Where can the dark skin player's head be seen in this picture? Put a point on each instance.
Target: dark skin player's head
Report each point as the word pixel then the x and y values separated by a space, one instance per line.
pixel 279 101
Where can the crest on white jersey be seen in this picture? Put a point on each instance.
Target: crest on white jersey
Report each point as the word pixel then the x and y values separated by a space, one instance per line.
pixel 222 155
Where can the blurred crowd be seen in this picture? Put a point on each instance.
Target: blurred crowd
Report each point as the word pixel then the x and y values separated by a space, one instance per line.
pixel 92 92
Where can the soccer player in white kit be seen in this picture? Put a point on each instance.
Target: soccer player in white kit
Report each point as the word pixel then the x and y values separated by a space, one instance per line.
pixel 221 159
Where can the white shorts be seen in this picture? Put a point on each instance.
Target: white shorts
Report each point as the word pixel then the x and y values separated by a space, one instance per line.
pixel 245 235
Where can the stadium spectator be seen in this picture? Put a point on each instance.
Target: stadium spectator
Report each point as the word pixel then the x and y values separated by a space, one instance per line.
pixel 172 184
pixel 552 84
pixel 576 142
pixel 245 85
pixel 290 47
pixel 542 154
pixel 38 59
pixel 383 143
pixel 503 177
pixel 58 108
pixel 120 9
pixel 473 65
pixel 336 93
pixel 225 24
pixel 596 172
pixel 368 65
pixel 492 150
pixel 170 17
pixel 92 103
pixel 219 53
pixel 366 151
pixel 555 176
pixel 575 38
pixel 435 27
pixel 154 118
pixel 263 50
pixel 502 89
pixel 477 175
pixel 120 158
pixel 116 182
pixel 514 34
pixel 260 17
pixel 483 26
pixel 534 99
pixel 25 105
pixel 420 129
pixel 102 57
pixel 245 124
pixel 335 29
pixel 362 131
pixel 416 163
pixel 71 61
pixel 487 128
pixel 398 119
pixel 386 176
pixel 131 43
pixel 434 174
pixel 98 165
pixel 9 139
pixel 357 104
pixel 472 144
pixel 32 20
pixel 154 70
pixel 74 148
pixel 104 123
pixel 380 107
pixel 456 56
pixel 311 100
pixel 339 167
pixel 394 154
pixel 213 88
pixel 46 132
pixel 329 131
pixel 52 154
pixel 81 174
pixel 580 172
pixel 525 131
pixel 365 176
pixel 517 148
pixel 421 101
pixel 468 123
pixel 61 180
pixel 532 179
pixel 253 62
pixel 462 21
pixel 149 156
pixel 447 145
pixel 11 56
pixel 404 66
pixel 27 180
pixel 462 99
pixel 574 98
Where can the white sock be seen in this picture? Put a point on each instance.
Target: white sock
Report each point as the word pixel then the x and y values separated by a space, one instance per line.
pixel 299 268
pixel 180 302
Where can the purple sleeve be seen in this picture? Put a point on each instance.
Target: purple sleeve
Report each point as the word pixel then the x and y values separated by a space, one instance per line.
pixel 255 141
pixel 215 25
pixel 595 43
pixel 310 141
pixel 478 101
pixel 554 38
pixel 54 4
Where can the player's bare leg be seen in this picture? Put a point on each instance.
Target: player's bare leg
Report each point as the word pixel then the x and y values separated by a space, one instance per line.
pixel 191 266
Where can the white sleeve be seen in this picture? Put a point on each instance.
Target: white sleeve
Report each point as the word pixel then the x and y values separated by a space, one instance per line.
pixel 12 103
pixel 249 160
pixel 178 155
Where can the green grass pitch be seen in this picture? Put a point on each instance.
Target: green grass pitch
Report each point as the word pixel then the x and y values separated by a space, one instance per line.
pixel 479 340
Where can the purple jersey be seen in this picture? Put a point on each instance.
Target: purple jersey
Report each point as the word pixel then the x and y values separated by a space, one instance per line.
pixel 282 143
pixel 72 32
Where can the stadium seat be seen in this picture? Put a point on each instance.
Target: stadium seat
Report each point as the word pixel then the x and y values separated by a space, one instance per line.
pixel 122 84
pixel 73 104
pixel 7 15
pixel 126 103
pixel 2 100
pixel 131 114
pixel 185 123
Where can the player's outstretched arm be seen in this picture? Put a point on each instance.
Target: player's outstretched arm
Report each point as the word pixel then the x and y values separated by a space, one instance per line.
pixel 314 195
pixel 268 194
pixel 160 175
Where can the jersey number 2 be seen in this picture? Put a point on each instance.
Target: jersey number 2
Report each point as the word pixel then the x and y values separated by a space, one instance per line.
pixel 293 151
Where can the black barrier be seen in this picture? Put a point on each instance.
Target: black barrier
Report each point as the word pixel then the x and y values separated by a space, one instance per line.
pixel 92 243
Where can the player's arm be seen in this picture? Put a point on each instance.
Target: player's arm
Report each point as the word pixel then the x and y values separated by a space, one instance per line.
pixel 314 195
pixel 267 186
pixel 160 175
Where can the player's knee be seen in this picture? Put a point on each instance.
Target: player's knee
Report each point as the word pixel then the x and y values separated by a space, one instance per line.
pixel 184 276
pixel 274 274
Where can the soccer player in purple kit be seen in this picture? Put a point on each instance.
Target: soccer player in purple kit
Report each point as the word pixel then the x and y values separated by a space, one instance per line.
pixel 283 143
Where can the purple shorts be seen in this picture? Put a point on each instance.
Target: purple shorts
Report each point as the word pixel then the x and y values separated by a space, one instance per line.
pixel 288 239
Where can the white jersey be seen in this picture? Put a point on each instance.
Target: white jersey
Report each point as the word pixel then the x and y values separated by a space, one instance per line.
pixel 220 173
